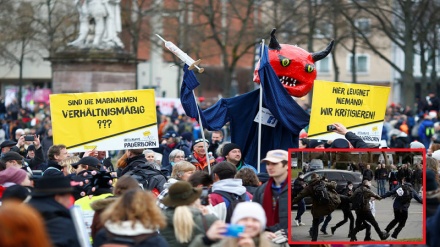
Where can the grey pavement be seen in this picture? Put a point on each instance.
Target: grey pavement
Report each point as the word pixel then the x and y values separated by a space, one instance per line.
pixel 384 214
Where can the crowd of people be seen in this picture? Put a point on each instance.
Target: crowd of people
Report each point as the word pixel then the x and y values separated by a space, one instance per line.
pixel 186 192
pixel 193 190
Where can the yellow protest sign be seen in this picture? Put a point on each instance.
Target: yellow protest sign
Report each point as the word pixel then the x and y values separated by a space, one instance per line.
pixel 105 120
pixel 359 107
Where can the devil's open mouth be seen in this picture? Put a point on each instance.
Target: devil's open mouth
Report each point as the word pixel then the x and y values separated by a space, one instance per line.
pixel 288 81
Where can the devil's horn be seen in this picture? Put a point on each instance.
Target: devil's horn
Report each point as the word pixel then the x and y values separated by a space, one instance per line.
pixel 316 56
pixel 273 44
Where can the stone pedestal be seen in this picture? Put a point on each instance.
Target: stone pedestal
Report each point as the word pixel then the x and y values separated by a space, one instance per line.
pixel 92 70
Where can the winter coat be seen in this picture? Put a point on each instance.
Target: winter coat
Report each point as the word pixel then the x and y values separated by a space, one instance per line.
pixel 365 190
pixel 125 230
pixel 318 210
pixel 283 207
pixel 132 163
pixel 201 225
pixel 230 185
pixel 399 203
pixel 58 221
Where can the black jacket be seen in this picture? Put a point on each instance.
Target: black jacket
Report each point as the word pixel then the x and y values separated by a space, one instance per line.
pixel 132 163
pixel 58 221
pixel 399 203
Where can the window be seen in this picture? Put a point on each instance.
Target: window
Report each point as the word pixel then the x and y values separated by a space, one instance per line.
pixel 362 63
pixel 363 24
pixel 324 65
pixel 323 30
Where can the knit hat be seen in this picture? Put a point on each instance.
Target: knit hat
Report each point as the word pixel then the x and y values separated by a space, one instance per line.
pixel 436 155
pixel 228 147
pixel 249 209
pixel 12 175
pixel 416 144
pixel 431 184
pixel 31 148
pixel 181 193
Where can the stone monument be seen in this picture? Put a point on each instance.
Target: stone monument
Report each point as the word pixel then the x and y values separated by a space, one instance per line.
pixel 96 60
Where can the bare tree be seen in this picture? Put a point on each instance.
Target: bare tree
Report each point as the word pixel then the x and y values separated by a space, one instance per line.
pixel 17 45
pixel 397 20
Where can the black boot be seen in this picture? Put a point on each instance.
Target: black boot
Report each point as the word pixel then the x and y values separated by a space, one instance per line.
pixel 384 235
pixel 333 229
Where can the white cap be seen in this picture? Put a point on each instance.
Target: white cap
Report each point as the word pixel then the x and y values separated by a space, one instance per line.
pixel 249 209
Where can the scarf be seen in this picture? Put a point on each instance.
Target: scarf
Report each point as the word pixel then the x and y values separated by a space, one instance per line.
pixel 272 215
pixel 201 160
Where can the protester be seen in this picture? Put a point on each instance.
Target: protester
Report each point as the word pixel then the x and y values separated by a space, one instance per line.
pixel 298 186
pixel 346 209
pixel 56 154
pixel 364 213
pixel 21 225
pixel 273 195
pixel 125 183
pixel 186 218
pixel 132 219
pixel 199 154
pixel 52 197
pixel 232 154
pixel 319 210
pixel 181 172
pixel 171 141
pixel 252 216
pixel 227 189
pixel 216 141
pixel 404 193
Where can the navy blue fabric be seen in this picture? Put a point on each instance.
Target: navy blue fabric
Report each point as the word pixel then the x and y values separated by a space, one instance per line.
pixel 241 110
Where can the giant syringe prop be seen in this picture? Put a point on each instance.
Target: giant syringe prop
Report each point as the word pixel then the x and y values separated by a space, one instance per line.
pixel 182 55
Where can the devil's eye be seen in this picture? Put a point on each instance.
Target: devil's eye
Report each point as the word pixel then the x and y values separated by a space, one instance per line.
pixel 284 61
pixel 309 68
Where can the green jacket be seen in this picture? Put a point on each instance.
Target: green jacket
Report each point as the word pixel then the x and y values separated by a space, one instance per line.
pixel 201 225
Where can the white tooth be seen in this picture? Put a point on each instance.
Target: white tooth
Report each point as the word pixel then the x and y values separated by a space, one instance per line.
pixel 294 81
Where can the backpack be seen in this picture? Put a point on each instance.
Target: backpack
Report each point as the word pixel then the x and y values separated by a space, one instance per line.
pixel 357 200
pixel 429 131
pixel 406 193
pixel 148 178
pixel 320 193
pixel 231 200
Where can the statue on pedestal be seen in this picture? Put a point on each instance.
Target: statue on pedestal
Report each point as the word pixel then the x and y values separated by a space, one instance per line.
pixel 105 15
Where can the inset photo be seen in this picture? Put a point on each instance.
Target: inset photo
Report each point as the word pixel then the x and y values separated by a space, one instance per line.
pixel 358 196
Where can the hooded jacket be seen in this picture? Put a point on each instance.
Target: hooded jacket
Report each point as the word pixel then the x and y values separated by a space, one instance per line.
pixel 230 185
